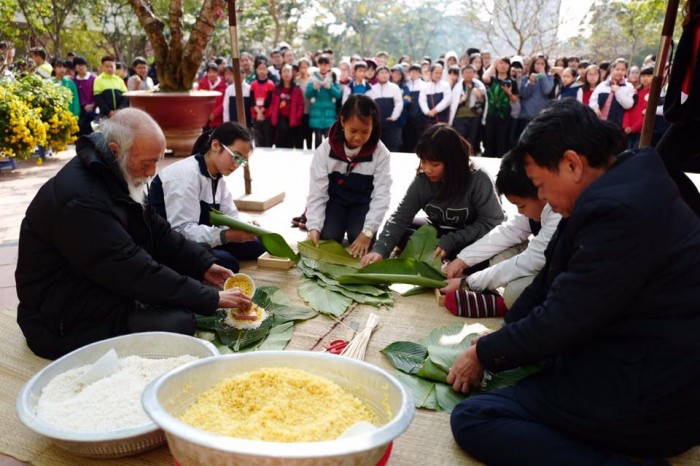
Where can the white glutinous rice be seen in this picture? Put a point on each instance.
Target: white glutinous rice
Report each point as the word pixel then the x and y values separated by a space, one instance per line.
pixel 110 403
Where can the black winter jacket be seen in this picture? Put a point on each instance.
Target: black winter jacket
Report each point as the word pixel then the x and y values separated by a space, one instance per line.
pixel 86 250
pixel 615 312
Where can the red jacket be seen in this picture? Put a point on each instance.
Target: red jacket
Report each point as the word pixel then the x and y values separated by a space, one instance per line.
pixel 261 96
pixel 218 111
pixel 634 117
pixel 297 107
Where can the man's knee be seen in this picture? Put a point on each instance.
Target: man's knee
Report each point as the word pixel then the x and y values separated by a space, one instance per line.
pixel 467 421
pixel 160 319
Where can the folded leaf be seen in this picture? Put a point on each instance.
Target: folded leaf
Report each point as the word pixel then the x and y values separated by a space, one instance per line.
pixel 331 270
pixel 423 391
pixel 416 290
pixel 430 371
pixel 278 338
pixel 328 251
pixel 273 243
pixel 406 356
pixel 387 279
pixel 421 247
pixel 493 381
pixel 321 299
pixel 448 398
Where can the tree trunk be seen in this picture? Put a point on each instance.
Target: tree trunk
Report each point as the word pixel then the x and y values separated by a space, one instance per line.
pixel 199 38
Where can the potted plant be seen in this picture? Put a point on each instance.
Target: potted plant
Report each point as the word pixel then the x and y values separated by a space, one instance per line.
pixel 178 54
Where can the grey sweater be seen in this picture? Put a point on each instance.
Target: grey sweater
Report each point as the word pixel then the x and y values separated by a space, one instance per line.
pixel 467 217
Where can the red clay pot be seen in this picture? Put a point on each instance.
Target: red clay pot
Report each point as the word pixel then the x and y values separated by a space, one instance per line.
pixel 181 115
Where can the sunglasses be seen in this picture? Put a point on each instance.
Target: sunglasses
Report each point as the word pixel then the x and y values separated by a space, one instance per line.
pixel 238 158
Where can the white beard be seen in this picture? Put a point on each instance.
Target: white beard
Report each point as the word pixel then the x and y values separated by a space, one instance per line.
pixel 137 191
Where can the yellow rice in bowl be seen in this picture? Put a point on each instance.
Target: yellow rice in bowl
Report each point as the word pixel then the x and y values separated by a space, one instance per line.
pixel 277 405
pixel 241 281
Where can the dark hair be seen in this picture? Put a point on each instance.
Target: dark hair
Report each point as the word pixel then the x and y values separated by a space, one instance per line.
pixel 604 65
pixel 512 178
pixel 399 68
pixel 365 109
pixel 80 60
pixel 280 84
pixel 569 125
pixel 359 64
pixel 275 52
pixel 454 69
pixel 38 51
pixel 441 143
pixel 138 61
pixel 219 60
pixel 323 60
pixel 621 60
pixel 589 68
pixel 328 52
pixel 573 71
pixel 227 133
pixel 534 59
pixel 472 50
pixel 211 66
pixel 120 65
pixel 108 58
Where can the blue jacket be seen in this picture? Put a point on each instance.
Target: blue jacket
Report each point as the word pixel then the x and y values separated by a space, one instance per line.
pixel 615 313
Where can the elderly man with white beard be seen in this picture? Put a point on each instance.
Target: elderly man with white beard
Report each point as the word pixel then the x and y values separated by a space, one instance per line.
pixel 96 261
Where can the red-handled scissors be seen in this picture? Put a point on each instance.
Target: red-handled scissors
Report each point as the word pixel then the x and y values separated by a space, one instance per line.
pixel 336 346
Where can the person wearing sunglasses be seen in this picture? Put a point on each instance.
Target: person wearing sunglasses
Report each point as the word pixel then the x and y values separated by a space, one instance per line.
pixel 185 192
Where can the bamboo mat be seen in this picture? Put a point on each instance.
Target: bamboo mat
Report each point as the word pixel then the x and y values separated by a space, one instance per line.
pixel 428 438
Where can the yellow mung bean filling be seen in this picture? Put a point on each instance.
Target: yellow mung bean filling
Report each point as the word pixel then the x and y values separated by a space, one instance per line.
pixel 277 405
pixel 240 282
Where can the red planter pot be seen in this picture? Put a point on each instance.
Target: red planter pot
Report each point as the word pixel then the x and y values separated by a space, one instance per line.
pixel 181 115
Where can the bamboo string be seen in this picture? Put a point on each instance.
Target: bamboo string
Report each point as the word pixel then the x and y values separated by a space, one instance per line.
pixel 358 346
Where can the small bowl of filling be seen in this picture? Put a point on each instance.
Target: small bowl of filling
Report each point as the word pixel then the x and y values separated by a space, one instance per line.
pixel 279 408
pixel 89 401
pixel 241 281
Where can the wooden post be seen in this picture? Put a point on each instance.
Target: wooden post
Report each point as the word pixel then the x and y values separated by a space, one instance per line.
pixel 659 71
pixel 237 82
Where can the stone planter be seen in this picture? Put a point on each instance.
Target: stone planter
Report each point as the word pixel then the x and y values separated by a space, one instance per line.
pixel 181 115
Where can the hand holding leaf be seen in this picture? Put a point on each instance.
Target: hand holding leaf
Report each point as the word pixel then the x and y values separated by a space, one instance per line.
pixel 467 371
pixel 315 236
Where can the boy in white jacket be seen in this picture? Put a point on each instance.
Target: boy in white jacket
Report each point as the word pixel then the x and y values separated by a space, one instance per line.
pixel 512 264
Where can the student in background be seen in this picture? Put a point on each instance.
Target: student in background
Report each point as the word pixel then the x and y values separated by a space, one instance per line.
pixel 213 81
pixel 633 120
pixel 398 77
pixel 569 86
pixel 273 71
pixel 304 133
pixel 468 102
pixel 458 198
pixel 590 80
pixel 435 98
pixel 85 81
pixel 230 106
pixel 287 109
pixel 502 94
pixel 60 70
pixel 261 91
pixel 414 122
pixel 389 99
pixel 535 90
pixel 139 80
pixel 350 179
pixel 322 91
pixel 42 67
pixel 358 84
pixel 109 88
pixel 613 96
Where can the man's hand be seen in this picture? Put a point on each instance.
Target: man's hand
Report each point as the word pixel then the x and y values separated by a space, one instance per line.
pixel 360 246
pixel 315 236
pixel 234 298
pixel 455 268
pixel 217 275
pixel 432 113
pixel 467 371
pixel 370 258
pixel 439 252
pixel 453 284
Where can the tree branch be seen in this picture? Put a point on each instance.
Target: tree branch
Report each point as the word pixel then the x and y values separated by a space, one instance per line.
pixel 199 38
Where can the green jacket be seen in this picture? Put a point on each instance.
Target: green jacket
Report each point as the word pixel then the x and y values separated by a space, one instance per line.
pixel 322 114
pixel 74 105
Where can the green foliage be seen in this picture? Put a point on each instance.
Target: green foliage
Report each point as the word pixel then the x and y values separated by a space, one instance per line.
pixel 322 299
pixel 328 251
pixel 424 367
pixel 274 333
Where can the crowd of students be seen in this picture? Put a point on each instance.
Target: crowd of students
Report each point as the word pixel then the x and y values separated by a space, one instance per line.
pixel 292 102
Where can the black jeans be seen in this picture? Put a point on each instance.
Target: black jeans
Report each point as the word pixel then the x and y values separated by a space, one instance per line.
pixel 680 150
pixel 391 137
pixel 264 135
pixel 228 255
pixel 496 137
pixel 286 135
pixel 469 129
pixel 341 219
pixel 304 133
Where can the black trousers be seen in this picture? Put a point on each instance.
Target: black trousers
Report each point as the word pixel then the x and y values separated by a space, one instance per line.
pixel 391 137
pixel 497 429
pixel 304 133
pixel 264 135
pixel 228 255
pixel 285 136
pixel 341 219
pixel 680 150
pixel 469 129
pixel 496 137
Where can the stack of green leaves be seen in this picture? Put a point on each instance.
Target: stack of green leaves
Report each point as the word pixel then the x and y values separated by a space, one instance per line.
pixel 423 367
pixel 273 334
pixel 321 268
pixel 273 243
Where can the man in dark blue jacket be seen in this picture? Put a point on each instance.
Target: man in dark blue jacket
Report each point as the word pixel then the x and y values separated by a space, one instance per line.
pixel 614 316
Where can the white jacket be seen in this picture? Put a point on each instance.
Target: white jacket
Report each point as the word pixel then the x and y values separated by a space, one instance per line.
pixel 508 234
pixel 388 91
pixel 435 88
pixel 624 95
pixel 231 92
pixel 458 92
pixel 323 165
pixel 184 186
